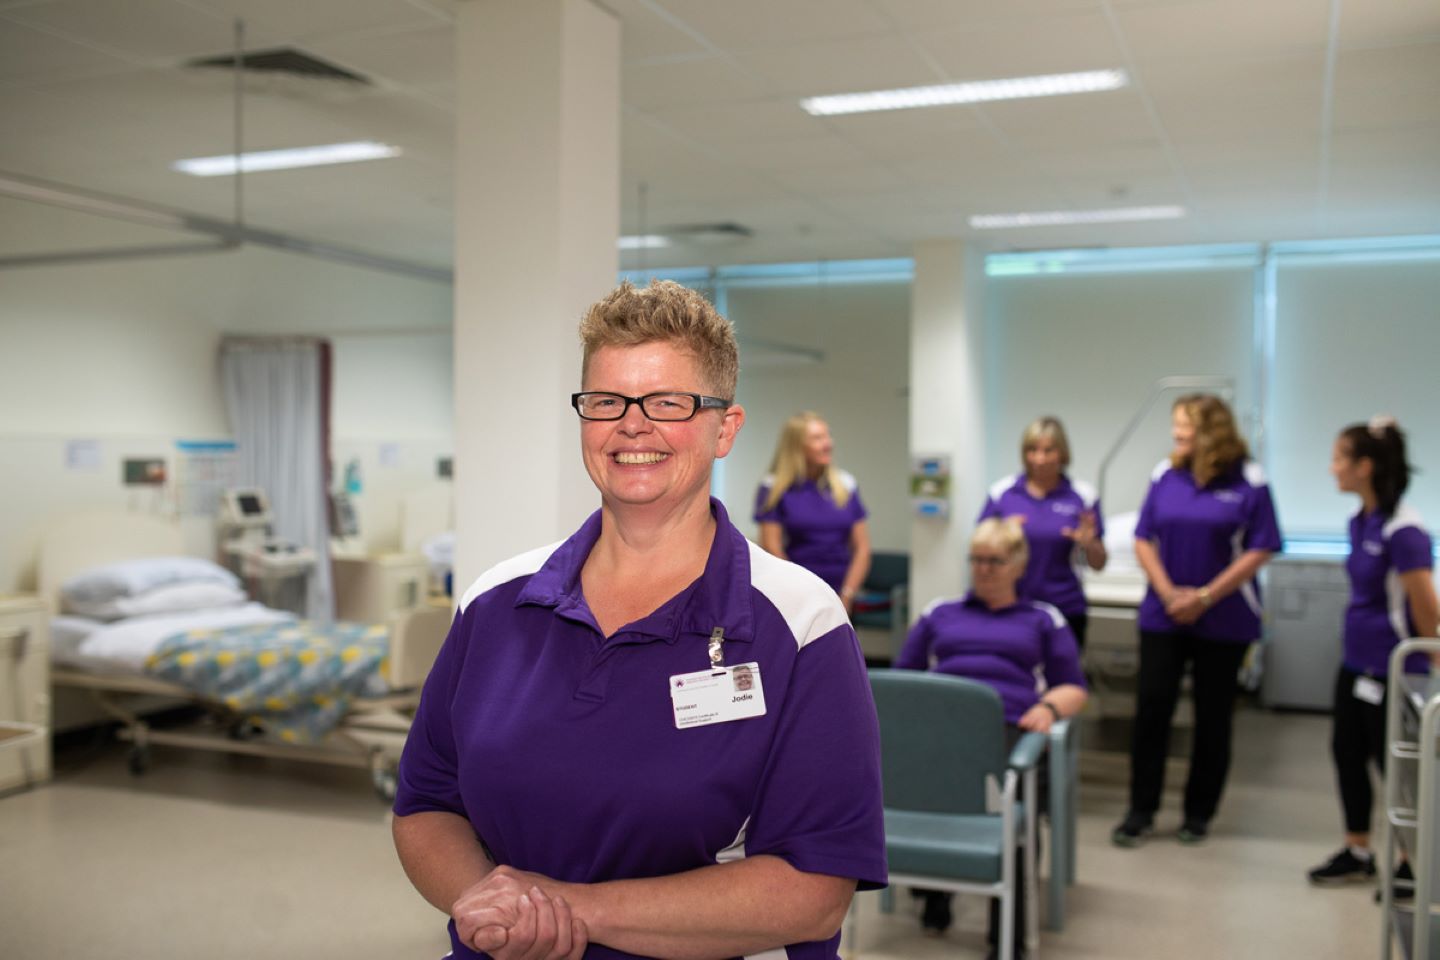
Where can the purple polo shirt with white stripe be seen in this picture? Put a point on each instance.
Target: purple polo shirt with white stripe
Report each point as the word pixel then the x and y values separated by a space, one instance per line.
pixel 1378 617
pixel 1051 573
pixel 1199 532
pixel 817 531
pixel 559 745
pixel 1021 650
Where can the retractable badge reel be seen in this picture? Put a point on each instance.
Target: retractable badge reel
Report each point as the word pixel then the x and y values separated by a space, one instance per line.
pixel 717 695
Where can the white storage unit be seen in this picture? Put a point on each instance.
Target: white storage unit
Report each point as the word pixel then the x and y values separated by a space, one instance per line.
pixel 1305 611
pixel 24 692
pixel 379 588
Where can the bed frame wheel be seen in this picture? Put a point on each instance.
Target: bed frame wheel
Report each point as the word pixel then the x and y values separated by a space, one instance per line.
pixel 138 760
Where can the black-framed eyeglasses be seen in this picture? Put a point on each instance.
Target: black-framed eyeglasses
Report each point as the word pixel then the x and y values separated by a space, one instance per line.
pixel 667 407
pixel 993 563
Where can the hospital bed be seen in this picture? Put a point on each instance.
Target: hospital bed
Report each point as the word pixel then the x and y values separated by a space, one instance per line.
pixel 369 735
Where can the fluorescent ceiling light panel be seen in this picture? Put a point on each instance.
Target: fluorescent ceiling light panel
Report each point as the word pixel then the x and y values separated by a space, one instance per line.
pixel 224 166
pixel 978 91
pixel 1060 218
pixel 650 241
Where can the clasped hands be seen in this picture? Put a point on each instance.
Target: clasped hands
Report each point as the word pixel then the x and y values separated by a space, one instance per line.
pixel 515 915
pixel 1185 605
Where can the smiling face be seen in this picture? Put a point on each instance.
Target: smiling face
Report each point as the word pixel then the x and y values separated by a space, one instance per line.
pixel 1043 461
pixel 636 462
pixel 1352 474
pixel 819 448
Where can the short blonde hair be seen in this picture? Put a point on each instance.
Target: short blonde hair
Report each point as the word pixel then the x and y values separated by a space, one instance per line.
pixel 665 312
pixel 1218 445
pixel 1046 428
pixel 1005 534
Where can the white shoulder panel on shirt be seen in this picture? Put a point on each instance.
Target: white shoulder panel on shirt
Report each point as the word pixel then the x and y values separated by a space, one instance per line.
pixel 507 570
pixel 810 608
pixel 1088 494
pixel 1405 516
pixel 999 488
pixel 1056 617
pixel 847 480
pixel 1255 474
pixel 769 480
pixel 1160 469
pixel 930 607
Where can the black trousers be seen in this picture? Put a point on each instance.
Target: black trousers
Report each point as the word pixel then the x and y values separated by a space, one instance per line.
pixel 1214 664
pixel 1079 623
pixel 1357 737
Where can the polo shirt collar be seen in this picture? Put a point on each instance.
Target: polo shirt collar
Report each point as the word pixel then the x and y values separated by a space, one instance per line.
pixel 975 603
pixel 1062 487
pixel 719 598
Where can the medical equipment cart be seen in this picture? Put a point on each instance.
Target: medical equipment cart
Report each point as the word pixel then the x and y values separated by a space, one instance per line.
pixel 1412 736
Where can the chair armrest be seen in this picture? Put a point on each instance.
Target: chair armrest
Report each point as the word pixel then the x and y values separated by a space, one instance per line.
pixel 1028 751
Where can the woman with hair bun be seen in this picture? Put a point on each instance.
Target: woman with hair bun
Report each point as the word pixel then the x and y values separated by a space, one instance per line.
pixel 1392 597
pixel 1206 528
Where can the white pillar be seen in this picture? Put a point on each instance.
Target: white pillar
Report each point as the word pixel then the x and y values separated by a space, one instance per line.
pixel 947 415
pixel 537 213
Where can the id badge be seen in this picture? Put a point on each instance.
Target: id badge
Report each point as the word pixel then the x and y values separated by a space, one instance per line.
pixel 718 695
pixel 1369 690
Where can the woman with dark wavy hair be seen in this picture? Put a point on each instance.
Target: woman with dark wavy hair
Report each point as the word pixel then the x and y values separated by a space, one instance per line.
pixel 1206 528
pixel 1392 597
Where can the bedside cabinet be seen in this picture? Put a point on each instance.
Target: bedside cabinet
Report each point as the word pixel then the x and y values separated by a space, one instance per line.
pixel 24 691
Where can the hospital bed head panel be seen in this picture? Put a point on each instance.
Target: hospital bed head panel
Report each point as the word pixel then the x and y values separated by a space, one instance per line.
pixel 83 540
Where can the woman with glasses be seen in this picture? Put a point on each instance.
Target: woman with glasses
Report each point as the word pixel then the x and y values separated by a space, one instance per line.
pixel 1022 648
pixel 1206 528
pixel 1062 521
pixel 809 510
pixel 652 738
pixel 1392 598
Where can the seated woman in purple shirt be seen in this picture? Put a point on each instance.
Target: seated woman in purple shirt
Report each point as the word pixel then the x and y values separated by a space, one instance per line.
pixel 809 510
pixel 652 739
pixel 1021 648
pixel 1063 523
pixel 1206 528
pixel 1392 597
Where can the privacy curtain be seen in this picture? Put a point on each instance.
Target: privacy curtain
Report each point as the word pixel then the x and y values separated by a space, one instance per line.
pixel 277 395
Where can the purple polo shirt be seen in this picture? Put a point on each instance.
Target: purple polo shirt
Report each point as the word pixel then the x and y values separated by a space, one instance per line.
pixel 1200 532
pixel 1378 617
pixel 1021 650
pixel 1050 575
pixel 817 532
pixel 559 744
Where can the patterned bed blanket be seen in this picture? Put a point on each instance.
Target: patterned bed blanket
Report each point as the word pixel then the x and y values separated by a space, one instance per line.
pixel 292 681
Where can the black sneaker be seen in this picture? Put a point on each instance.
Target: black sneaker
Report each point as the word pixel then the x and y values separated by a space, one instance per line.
pixel 1344 867
pixel 1193 832
pixel 1403 889
pixel 936 918
pixel 1133 830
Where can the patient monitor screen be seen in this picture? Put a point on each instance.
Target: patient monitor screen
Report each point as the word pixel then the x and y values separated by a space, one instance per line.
pixel 249 505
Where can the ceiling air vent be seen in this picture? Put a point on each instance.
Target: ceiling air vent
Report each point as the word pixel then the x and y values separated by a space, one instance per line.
pixel 708 233
pixel 283 60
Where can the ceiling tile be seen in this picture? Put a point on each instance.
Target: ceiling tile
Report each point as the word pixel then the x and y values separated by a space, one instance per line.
pixel 840 66
pixel 140 29
pixel 28 55
pixel 1376 23
pixel 1224 29
pixel 1016 48
pixel 739 26
pixel 646 35
pixel 926 14
pixel 701 82
pixel 295 21
pixel 410 57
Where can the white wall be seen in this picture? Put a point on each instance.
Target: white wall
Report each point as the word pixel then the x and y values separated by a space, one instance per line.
pixel 860 387
pixel 1353 340
pixel 126 353
pixel 1088 347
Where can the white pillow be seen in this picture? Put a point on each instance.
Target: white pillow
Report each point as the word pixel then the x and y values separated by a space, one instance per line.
pixel 171 598
pixel 131 578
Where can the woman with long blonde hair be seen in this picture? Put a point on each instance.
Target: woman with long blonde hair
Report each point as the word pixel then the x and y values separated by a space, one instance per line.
pixel 1206 528
pixel 810 511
